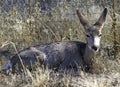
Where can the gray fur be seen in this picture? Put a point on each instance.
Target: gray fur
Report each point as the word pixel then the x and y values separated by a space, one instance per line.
pixel 59 55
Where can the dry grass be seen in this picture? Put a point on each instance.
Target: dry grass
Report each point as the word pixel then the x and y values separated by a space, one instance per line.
pixel 26 31
pixel 46 78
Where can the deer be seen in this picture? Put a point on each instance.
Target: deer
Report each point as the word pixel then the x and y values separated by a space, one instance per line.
pixel 63 55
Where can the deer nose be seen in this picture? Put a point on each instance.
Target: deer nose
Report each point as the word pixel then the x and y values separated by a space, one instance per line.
pixel 94 48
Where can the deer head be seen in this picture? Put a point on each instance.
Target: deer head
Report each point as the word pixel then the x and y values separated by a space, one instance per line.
pixel 93 32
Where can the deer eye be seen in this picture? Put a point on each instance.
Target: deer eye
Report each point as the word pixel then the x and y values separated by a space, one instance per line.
pixel 100 35
pixel 88 35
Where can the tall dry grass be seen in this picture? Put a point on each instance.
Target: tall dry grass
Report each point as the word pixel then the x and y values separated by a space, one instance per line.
pixel 35 27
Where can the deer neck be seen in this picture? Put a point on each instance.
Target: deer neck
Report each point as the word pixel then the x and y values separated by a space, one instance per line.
pixel 88 55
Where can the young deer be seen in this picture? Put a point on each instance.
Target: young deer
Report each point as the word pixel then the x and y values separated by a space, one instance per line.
pixel 63 55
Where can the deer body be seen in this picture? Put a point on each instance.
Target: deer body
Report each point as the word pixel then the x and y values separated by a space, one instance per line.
pixel 63 55
pixel 59 55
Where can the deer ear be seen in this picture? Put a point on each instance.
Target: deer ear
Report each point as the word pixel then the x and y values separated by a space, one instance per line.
pixel 101 19
pixel 83 21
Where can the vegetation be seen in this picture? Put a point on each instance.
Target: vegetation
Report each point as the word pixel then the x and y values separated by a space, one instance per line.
pixel 31 27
